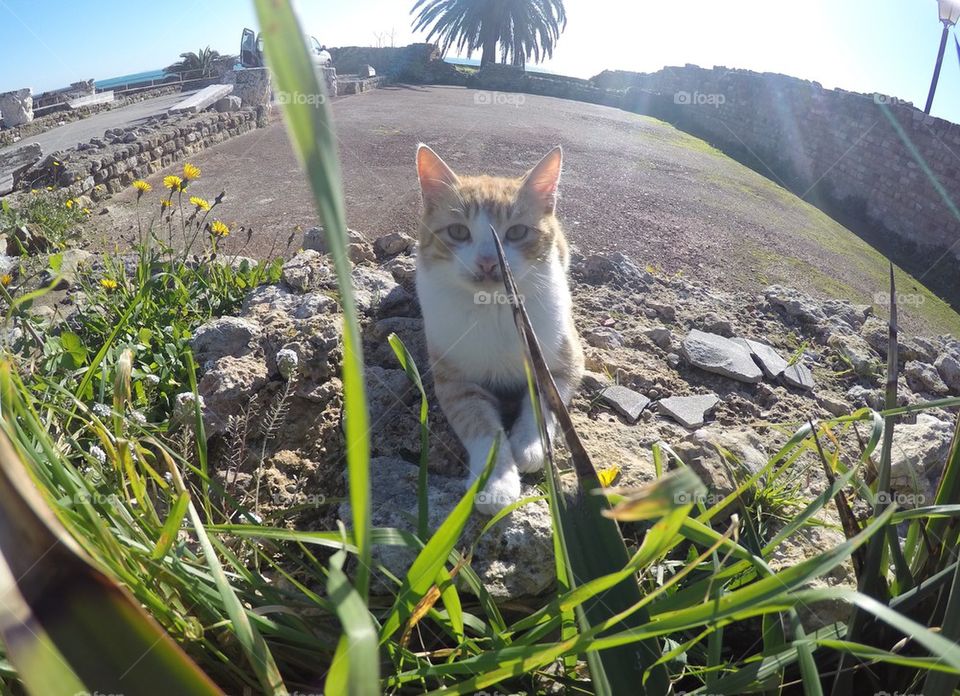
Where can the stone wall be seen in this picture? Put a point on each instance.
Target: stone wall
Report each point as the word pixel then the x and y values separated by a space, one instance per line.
pixel 418 63
pixel 41 124
pixel 105 165
pixel 876 163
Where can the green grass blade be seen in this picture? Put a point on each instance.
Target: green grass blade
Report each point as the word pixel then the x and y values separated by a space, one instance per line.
pixel 310 127
pixel 356 660
pixel 64 622
pixel 413 374
pixel 431 559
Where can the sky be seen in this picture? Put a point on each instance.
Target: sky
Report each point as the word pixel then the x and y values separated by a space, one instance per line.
pixel 886 46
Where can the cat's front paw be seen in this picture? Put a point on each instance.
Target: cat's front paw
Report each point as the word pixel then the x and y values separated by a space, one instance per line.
pixel 502 489
pixel 528 454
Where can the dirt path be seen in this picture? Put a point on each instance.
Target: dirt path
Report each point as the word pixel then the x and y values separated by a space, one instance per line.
pixel 630 183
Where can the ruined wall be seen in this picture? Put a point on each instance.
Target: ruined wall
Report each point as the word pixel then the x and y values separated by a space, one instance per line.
pixel 871 157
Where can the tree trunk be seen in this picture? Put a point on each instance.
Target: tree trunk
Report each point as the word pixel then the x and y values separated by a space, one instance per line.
pixel 489 55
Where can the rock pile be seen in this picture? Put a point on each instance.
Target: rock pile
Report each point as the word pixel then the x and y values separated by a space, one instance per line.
pixel 741 363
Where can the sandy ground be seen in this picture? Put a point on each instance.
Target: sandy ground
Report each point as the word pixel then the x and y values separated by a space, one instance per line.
pixel 630 183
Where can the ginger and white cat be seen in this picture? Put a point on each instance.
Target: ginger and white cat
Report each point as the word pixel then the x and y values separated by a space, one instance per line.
pixel 475 352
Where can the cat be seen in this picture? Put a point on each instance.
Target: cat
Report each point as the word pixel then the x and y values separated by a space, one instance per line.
pixel 475 351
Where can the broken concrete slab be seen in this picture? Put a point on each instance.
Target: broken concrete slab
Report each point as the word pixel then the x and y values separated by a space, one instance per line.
pixel 201 100
pixel 91 100
pixel 688 411
pixel 12 164
pixel 769 359
pixel 721 355
pixel 626 402
pixel 800 376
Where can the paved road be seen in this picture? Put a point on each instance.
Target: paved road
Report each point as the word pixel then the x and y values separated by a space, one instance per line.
pixel 630 183
pixel 81 131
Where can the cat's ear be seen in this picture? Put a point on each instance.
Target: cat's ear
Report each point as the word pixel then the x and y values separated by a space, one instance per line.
pixel 436 178
pixel 541 183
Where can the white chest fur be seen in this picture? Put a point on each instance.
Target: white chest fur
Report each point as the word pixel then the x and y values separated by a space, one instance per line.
pixel 478 337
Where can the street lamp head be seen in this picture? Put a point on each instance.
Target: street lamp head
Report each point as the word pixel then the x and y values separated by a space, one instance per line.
pixel 949 11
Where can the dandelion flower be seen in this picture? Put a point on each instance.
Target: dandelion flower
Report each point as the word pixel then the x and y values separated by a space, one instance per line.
pixel 6 279
pixel 191 172
pixel 166 203
pixel 108 283
pixel 69 204
pixel 201 203
pixel 34 191
pixel 219 229
pixel 49 188
pixel 142 187
pixel 85 211
pixel 173 182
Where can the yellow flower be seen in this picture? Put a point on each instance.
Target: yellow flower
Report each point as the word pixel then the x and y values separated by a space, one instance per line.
pixel 34 191
pixel 191 172
pixel 6 279
pixel 108 283
pixel 219 229
pixel 201 203
pixel 173 182
pixel 142 187
pixel 85 211
pixel 166 203
pixel 49 188
pixel 69 204
pixel 608 476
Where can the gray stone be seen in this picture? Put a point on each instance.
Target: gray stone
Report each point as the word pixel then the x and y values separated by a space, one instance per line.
pixel 16 107
pixel 224 336
pixel 850 314
pixel 306 271
pixel 795 304
pixel 603 337
pixel 13 163
pixel 392 244
pixel 594 382
pixel 626 402
pixel 720 355
pixel 917 459
pixel 769 359
pixel 661 336
pixel 799 375
pixel 665 311
pixel 688 411
pixel 833 404
pixel 705 450
pixel 924 377
pixel 856 350
pixel 252 85
pixel 948 365
pixel 876 333
pixel 514 559
pixel 201 100
pixel 228 104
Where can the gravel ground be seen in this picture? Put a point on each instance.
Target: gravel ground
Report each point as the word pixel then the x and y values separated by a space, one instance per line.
pixel 630 184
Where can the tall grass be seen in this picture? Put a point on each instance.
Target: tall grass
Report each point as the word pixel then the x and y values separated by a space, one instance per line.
pixel 691 599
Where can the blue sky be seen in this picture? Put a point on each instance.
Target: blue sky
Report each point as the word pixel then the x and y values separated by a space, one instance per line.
pixel 887 46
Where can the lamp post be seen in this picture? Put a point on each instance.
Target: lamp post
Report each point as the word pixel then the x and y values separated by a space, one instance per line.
pixel 949 14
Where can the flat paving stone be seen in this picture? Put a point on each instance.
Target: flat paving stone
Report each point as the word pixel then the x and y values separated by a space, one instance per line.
pixel 720 355
pixel 627 402
pixel 689 411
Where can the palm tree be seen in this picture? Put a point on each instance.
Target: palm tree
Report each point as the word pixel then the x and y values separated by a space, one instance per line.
pixel 524 29
pixel 204 63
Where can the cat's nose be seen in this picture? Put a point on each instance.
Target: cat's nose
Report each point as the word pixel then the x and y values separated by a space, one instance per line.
pixel 487 266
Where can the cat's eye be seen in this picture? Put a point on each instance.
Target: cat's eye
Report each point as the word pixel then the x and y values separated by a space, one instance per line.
pixel 517 232
pixel 459 233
